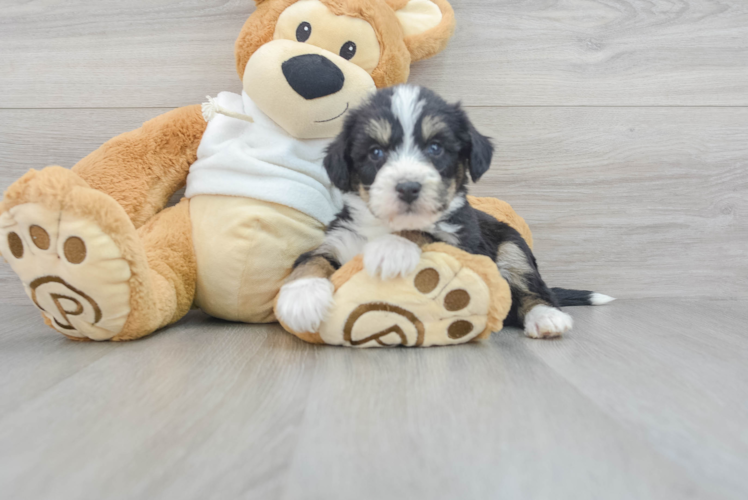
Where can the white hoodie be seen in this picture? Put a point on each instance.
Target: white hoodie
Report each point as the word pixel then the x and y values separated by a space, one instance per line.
pixel 260 160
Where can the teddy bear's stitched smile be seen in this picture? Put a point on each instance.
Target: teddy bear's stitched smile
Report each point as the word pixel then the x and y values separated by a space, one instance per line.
pixel 347 105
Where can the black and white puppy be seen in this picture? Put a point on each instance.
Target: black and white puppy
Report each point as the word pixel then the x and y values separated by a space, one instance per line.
pixel 403 162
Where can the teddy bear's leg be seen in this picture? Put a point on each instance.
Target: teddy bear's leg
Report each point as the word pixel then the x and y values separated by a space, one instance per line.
pixel 172 269
pixel 246 249
pixel 143 168
pixel 86 267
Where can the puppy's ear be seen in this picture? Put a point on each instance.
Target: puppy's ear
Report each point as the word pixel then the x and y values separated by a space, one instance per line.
pixel 481 153
pixel 337 163
pixel 477 149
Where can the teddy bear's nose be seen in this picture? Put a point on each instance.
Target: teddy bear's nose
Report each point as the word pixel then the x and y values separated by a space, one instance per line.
pixel 313 76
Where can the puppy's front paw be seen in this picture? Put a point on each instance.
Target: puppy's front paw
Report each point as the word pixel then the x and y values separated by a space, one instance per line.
pixel 391 256
pixel 303 304
pixel 544 322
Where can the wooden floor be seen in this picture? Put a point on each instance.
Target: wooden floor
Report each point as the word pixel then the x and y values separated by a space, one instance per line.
pixel 645 399
pixel 622 137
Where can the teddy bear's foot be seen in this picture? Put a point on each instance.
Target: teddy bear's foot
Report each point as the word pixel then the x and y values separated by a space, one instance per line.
pixel 451 297
pixel 70 268
pixel 52 234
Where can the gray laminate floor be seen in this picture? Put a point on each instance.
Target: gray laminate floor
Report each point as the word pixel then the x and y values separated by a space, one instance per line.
pixel 621 129
pixel 644 399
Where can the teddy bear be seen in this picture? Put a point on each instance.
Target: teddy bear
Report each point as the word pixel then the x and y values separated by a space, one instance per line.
pixel 103 259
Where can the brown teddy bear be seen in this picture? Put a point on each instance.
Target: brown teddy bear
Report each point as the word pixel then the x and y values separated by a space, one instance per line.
pixel 103 260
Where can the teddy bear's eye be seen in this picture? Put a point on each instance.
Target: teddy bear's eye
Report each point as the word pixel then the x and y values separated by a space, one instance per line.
pixel 348 50
pixel 303 32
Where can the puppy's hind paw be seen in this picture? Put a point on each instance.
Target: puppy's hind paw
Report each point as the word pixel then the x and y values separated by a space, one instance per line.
pixel 391 256
pixel 544 322
pixel 303 304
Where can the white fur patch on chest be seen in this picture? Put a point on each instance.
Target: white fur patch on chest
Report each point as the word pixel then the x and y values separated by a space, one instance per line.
pixel 348 239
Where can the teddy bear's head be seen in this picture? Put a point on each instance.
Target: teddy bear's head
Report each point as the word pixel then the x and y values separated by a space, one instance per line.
pixel 305 63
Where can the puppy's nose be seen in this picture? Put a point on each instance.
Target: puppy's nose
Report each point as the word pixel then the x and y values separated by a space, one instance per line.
pixel 408 191
pixel 313 76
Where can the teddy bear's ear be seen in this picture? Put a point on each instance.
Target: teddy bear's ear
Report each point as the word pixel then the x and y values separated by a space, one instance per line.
pixel 427 25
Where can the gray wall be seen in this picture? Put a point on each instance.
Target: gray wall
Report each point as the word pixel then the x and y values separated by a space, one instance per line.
pixel 621 126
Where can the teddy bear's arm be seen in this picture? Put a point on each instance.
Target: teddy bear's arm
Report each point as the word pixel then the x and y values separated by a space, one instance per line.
pixel 142 169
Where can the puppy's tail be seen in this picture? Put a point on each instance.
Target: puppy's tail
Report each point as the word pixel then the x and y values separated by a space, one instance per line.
pixel 580 297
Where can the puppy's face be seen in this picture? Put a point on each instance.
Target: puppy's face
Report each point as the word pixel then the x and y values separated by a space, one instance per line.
pixel 407 154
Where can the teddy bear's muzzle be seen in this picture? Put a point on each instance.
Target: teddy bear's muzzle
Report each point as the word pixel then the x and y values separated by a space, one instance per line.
pixel 305 89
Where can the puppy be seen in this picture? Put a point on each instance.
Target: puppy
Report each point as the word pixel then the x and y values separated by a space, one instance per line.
pixel 403 162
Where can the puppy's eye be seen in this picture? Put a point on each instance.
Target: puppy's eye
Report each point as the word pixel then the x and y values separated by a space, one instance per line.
pixel 303 32
pixel 434 149
pixel 376 154
pixel 348 50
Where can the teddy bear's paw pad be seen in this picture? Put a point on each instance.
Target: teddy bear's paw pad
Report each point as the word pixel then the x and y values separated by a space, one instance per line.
pixel 440 303
pixel 379 324
pixel 72 271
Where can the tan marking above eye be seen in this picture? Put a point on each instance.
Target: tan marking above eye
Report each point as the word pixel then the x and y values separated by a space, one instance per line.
pixel 16 245
pixel 427 280
pixel 363 193
pixel 431 125
pixel 75 250
pixel 456 300
pixel 459 329
pixel 40 237
pixel 380 130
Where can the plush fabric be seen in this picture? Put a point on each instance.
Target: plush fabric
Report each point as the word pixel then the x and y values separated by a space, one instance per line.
pixel 155 299
pixel 338 31
pixel 142 169
pixel 397 51
pixel 266 82
pixel 257 199
pixel 262 161
pixel 246 251
pixel 59 260
pixel 451 298
pixel 429 43
pixel 170 253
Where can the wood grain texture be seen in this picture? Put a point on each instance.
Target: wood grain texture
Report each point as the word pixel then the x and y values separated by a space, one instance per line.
pixel 643 399
pixel 625 193
pixel 633 202
pixel 112 53
pixel 596 52
pixel 138 420
pixel 170 53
